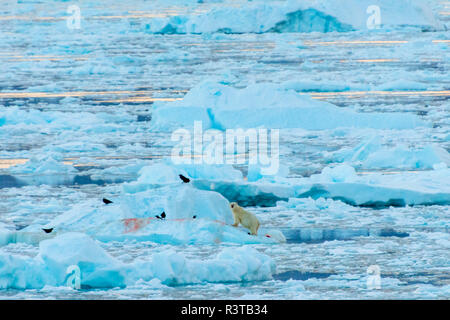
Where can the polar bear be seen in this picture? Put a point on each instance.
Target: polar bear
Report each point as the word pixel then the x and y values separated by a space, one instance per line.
pixel 247 219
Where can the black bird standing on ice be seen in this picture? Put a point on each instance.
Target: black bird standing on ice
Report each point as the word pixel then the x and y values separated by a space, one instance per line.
pixel 163 216
pixel 106 201
pixel 185 180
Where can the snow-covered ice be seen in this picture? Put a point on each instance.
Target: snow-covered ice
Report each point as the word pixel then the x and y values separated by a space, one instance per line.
pixel 341 182
pixel 292 16
pixel 371 154
pixel 267 105
pixel 100 270
pixel 362 110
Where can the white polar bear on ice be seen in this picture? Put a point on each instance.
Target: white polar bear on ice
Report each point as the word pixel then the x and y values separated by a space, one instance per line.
pixel 247 219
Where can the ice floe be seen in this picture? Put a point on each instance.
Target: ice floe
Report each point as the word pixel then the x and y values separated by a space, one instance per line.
pixel 342 182
pixel 43 164
pixel 191 215
pixel 162 174
pixel 307 16
pixel 58 257
pixel 371 154
pixel 219 106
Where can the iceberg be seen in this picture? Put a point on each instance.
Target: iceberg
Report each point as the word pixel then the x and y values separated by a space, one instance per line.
pixel 221 107
pixel 305 16
pixel 191 215
pixel 406 188
pixel 371 154
pixel 240 264
pixel 43 164
pixel 342 182
pixel 166 173
pixel 43 169
pixel 255 173
pixel 98 269
pixel 10 116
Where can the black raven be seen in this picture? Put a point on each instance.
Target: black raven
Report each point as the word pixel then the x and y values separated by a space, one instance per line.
pixel 185 180
pixel 163 216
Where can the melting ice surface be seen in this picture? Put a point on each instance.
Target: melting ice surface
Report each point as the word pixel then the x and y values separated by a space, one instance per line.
pixel 364 165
